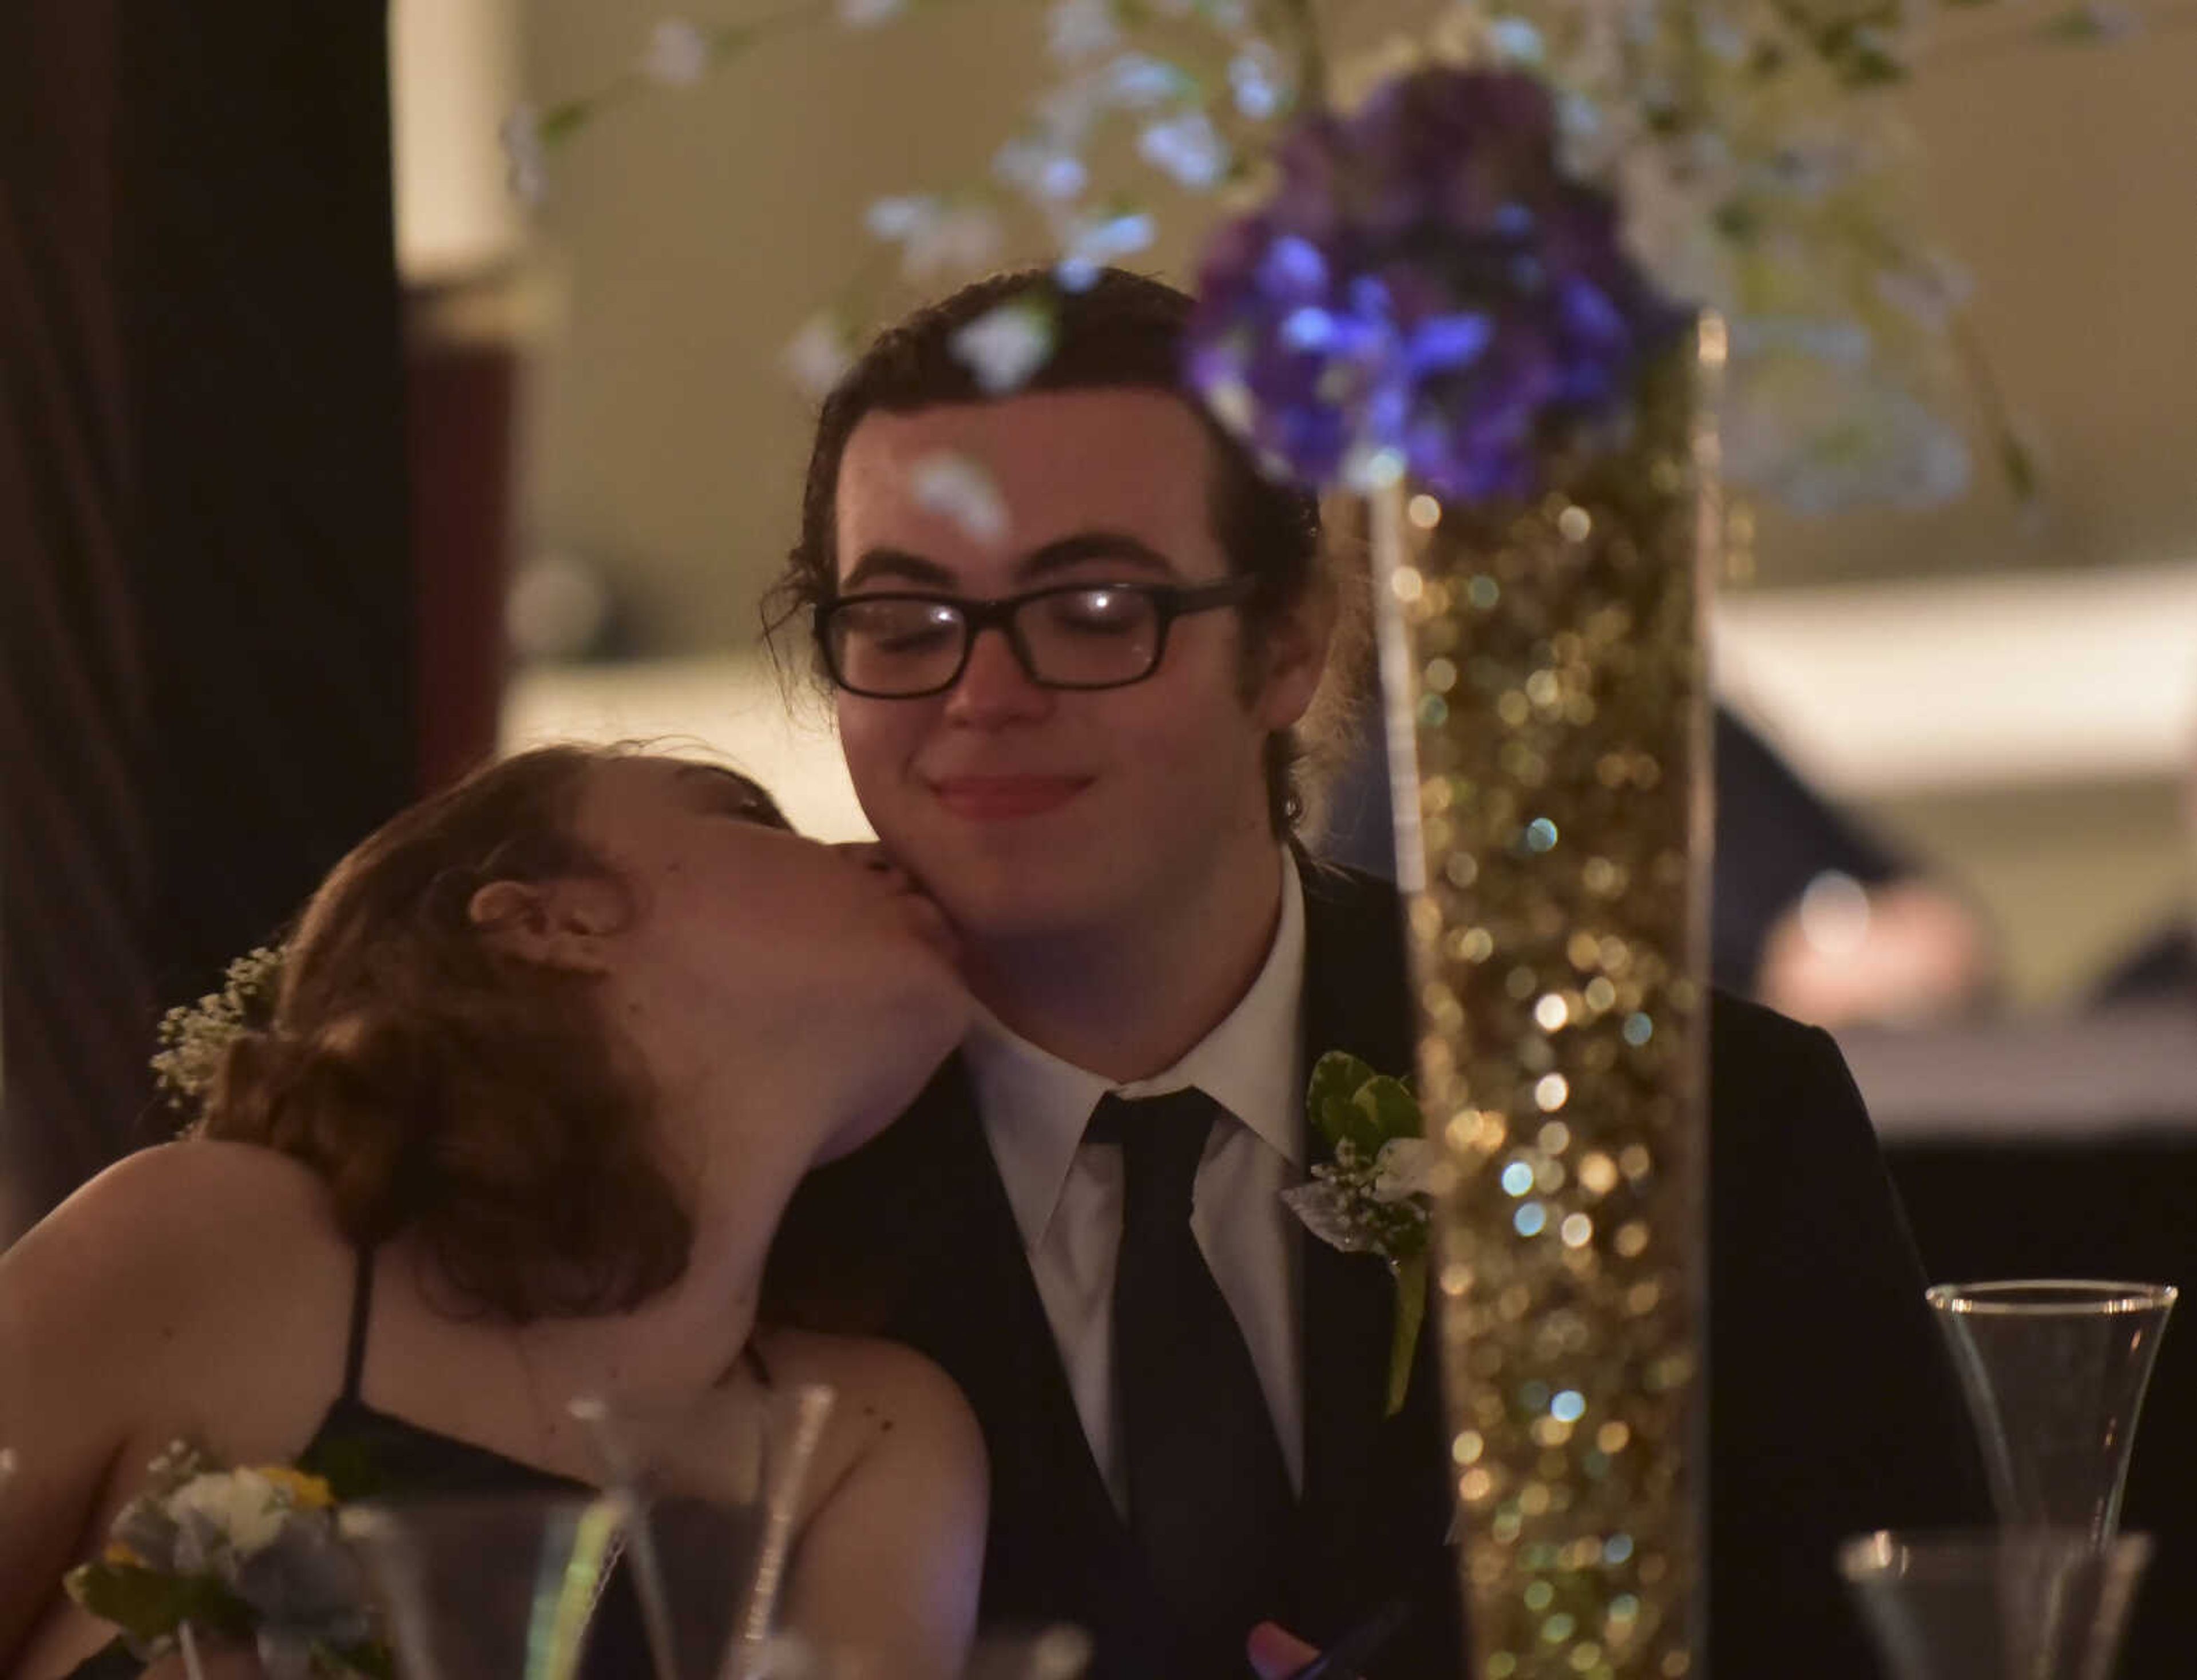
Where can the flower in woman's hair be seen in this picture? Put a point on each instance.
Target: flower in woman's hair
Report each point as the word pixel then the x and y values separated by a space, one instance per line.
pixel 1425 287
pixel 194 1038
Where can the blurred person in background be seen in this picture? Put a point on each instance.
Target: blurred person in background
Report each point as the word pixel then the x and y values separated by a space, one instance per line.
pixel 1810 912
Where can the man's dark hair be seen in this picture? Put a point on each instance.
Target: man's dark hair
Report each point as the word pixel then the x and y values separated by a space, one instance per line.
pixel 1123 332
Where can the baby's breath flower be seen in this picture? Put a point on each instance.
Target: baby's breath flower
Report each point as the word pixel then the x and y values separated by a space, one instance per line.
pixel 818 355
pixel 194 1038
pixel 956 487
pixel 1189 149
pixel 1083 29
pixel 869 13
pixel 1004 346
pixel 526 154
pixel 677 54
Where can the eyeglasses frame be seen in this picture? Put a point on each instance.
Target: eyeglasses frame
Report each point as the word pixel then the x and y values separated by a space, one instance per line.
pixel 1170 601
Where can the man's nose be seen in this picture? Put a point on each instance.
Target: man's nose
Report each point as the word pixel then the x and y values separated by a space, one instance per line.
pixel 993 688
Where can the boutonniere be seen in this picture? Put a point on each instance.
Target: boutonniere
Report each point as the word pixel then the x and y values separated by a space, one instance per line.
pixel 1376 1196
pixel 245 1553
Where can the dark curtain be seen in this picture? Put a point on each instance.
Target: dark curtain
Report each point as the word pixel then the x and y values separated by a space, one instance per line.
pixel 207 623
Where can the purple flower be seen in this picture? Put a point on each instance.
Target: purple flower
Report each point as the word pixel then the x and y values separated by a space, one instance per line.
pixel 1425 283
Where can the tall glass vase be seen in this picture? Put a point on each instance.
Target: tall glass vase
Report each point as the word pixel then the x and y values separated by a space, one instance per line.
pixel 1542 672
pixel 2055 1370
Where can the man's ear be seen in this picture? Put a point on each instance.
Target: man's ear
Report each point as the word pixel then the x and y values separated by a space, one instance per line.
pixel 1297 645
pixel 565 923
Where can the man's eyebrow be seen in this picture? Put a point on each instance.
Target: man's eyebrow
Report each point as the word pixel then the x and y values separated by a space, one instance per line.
pixel 896 565
pixel 1082 549
pixel 1085 546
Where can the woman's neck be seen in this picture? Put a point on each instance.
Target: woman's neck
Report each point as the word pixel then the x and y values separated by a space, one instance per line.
pixel 750 1150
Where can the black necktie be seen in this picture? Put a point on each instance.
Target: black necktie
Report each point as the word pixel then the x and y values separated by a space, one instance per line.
pixel 1208 1493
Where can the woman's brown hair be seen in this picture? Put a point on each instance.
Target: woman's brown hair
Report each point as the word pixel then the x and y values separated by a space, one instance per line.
pixel 444 1087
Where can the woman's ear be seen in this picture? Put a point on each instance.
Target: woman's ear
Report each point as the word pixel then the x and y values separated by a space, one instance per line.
pixel 564 923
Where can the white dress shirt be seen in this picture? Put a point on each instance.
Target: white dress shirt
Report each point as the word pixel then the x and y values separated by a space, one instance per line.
pixel 1067 1198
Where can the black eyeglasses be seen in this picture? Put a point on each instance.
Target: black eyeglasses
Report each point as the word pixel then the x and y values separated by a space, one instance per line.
pixel 895 645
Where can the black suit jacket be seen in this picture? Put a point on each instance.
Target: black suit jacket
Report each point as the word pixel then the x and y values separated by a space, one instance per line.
pixel 1832 1407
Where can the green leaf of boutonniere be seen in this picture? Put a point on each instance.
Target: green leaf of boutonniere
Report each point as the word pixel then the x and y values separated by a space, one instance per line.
pixel 1391 1108
pixel 1349 1102
pixel 1336 1079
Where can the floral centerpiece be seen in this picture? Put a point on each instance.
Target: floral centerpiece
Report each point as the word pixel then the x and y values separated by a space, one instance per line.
pixel 1426 293
pixel 1755 147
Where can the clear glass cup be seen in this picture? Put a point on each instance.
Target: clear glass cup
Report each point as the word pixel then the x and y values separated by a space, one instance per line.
pixel 496 1587
pixel 2055 1371
pixel 2009 1604
pixel 715 1482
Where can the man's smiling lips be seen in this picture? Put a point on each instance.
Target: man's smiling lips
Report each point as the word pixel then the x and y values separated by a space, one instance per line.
pixel 1004 798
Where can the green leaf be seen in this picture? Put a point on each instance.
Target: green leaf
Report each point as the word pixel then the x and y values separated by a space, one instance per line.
pixel 1390 1109
pixel 147 1604
pixel 1737 218
pixel 1336 1079
pixel 2020 467
pixel 1870 67
pixel 1411 1313
pixel 369 1659
pixel 561 122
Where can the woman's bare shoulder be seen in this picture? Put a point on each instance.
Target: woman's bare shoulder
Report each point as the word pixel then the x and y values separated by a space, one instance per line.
pixel 182 1216
pixel 890 1402
pixel 893 1380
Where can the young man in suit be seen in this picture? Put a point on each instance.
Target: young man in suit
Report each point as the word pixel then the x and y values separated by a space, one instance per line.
pixel 1182 1390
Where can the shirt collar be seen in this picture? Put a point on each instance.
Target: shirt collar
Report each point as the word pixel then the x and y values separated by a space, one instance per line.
pixel 1035 1106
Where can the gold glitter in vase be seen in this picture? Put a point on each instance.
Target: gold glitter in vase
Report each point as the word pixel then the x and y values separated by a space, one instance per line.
pixel 1545 664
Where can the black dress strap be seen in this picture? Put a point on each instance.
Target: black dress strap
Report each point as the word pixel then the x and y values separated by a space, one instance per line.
pixel 362 1313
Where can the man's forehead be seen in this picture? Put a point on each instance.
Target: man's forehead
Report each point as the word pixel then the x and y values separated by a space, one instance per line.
pixel 1032 428
pixel 989 482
